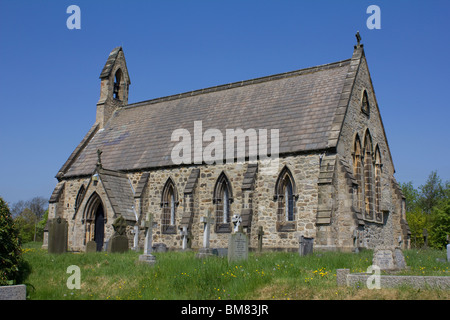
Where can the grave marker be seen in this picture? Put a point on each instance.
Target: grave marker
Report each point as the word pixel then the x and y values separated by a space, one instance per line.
pixel 147 257
pixel 119 241
pixel 389 258
pixel 57 235
pixel 305 246
pixel 238 242
pixel 206 250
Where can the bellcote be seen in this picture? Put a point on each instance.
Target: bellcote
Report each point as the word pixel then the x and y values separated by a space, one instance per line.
pixel 114 86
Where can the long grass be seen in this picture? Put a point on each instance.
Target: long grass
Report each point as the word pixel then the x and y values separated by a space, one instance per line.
pixel 181 276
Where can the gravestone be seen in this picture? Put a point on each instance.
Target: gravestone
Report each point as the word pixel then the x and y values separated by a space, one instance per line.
pixel 305 246
pixel 389 258
pixel 159 247
pixel 91 246
pixel 185 238
pixel 206 251
pixel 448 253
pixel 237 247
pixel 57 235
pixel 238 242
pixel 147 257
pixel 119 241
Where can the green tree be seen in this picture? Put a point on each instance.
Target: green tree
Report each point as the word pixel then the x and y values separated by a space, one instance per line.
pixel 411 195
pixel 10 247
pixel 431 193
pixel 417 221
pixel 440 225
pixel 427 208
pixel 25 222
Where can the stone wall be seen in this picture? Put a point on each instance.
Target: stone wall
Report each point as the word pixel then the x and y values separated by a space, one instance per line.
pixel 356 122
pixel 304 168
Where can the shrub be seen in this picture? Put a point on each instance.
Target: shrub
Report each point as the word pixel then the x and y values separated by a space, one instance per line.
pixel 10 247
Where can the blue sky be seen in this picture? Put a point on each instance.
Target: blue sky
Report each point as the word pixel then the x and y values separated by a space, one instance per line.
pixel 50 85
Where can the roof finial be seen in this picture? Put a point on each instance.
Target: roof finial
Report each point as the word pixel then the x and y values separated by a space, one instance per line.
pixel 358 39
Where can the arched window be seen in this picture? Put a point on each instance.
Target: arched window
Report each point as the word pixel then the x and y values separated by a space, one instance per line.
pixel 365 106
pixel 285 197
pixel 117 94
pixel 169 203
pixel 222 198
pixel 368 176
pixel 357 171
pixel 378 166
pixel 79 197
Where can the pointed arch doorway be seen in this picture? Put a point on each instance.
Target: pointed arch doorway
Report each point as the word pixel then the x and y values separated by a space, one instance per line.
pixel 95 219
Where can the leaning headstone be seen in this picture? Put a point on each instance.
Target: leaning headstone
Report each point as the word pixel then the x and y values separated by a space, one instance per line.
pixel 305 246
pixel 206 251
pixel 91 246
pixel 57 235
pixel 389 258
pixel 238 242
pixel 399 259
pixel 119 241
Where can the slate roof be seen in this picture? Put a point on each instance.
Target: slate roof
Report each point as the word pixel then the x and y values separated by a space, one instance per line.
pixel 120 193
pixel 304 105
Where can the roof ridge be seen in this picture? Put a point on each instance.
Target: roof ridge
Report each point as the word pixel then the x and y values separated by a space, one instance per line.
pixel 242 83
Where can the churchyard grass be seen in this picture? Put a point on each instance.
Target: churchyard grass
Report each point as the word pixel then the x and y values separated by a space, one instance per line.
pixel 179 275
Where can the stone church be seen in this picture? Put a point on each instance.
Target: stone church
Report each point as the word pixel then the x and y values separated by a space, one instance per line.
pixel 333 178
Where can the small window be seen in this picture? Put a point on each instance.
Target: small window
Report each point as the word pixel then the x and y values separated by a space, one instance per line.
pixel 223 197
pixel 79 197
pixel 365 106
pixel 285 197
pixel 117 83
pixel 169 204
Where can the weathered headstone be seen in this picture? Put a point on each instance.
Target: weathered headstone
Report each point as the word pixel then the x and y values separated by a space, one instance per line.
pixel 237 247
pixel 119 241
pixel 389 258
pixel 305 246
pixel 91 246
pixel 57 235
pixel 399 259
pixel 206 251
pixel 238 242
pixel 147 257
pixel 159 247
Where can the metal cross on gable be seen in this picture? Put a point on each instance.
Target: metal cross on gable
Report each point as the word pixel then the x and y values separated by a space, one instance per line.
pixel 358 38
